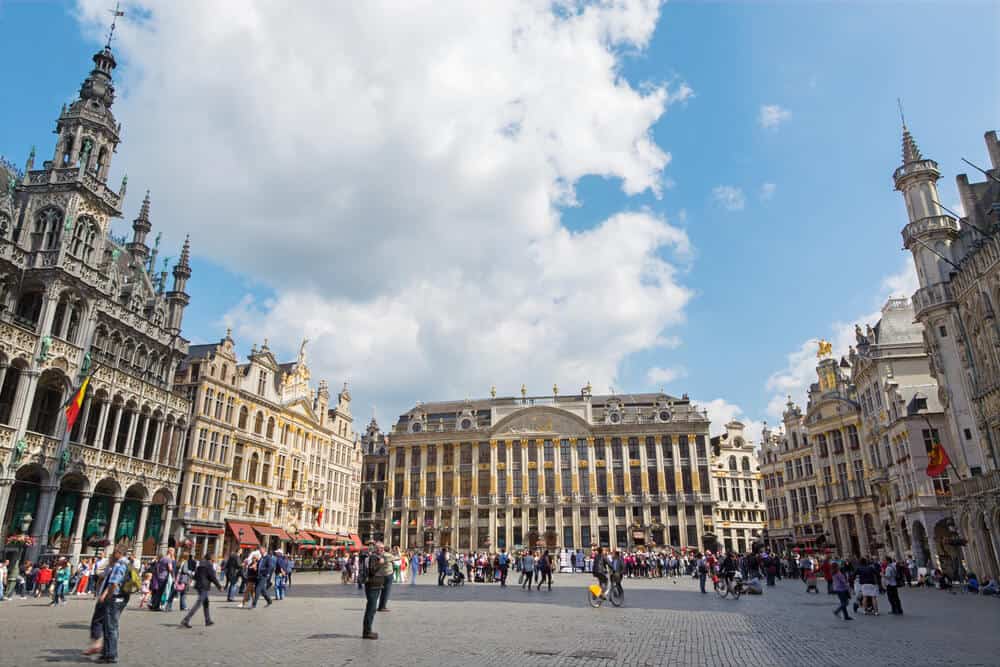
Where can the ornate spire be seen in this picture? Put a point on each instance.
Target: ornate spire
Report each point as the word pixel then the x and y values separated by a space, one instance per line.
pixel 186 254
pixel 911 153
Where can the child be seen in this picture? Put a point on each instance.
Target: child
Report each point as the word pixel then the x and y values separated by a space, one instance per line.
pixel 146 581
pixel 811 582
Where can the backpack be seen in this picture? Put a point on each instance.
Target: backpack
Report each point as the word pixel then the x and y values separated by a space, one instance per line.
pixel 132 581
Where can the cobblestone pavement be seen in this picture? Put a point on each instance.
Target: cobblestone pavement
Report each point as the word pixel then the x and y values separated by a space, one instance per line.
pixel 663 623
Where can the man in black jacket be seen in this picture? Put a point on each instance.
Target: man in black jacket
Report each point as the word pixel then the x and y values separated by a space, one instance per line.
pixel 373 587
pixel 204 579
pixel 233 568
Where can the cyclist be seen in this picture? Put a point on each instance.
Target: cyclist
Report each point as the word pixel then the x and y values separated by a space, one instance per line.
pixel 728 569
pixel 600 570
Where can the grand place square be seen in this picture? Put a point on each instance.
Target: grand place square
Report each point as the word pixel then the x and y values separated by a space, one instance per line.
pixel 592 333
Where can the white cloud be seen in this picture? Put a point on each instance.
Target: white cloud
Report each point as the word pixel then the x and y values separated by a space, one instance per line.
pixel 729 197
pixel 773 115
pixel 767 191
pixel 799 370
pixel 394 172
pixel 658 376
pixel 721 412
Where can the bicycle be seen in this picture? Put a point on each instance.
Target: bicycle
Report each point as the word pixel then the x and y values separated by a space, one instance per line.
pixel 596 595
pixel 725 586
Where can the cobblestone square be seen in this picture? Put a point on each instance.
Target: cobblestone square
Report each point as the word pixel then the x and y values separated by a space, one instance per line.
pixel 662 623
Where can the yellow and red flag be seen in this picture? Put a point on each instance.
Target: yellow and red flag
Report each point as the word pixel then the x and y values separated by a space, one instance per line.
pixel 937 460
pixel 76 403
pixel 319 516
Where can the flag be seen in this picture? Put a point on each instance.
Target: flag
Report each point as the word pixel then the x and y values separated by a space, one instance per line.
pixel 937 460
pixel 395 522
pixel 319 516
pixel 75 403
pixel 413 522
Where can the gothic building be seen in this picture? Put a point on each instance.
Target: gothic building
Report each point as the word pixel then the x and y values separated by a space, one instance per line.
pixel 737 490
pixel 565 471
pixel 76 301
pixel 958 265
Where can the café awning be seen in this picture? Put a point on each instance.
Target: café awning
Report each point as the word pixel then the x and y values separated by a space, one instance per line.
pixel 269 531
pixel 248 537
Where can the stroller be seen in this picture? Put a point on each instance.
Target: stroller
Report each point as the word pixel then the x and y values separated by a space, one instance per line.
pixel 457 578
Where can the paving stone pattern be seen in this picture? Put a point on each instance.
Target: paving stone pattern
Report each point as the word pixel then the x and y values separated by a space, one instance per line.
pixel 664 622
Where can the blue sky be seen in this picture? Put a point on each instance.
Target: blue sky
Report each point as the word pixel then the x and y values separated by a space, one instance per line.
pixel 765 278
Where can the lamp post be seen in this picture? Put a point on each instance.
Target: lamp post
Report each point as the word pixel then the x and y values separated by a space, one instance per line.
pixel 13 572
pixel 239 547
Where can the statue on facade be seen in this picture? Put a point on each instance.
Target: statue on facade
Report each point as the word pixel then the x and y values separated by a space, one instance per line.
pixel 85 364
pixel 64 460
pixel 860 337
pixel 11 184
pixel 43 353
pixel 19 450
pixel 88 146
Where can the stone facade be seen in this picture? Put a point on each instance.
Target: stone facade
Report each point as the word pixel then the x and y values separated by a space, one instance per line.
pixel 75 301
pixel 901 419
pixel 958 265
pixel 562 471
pixel 374 482
pixel 737 490
pixel 268 459
pixel 790 485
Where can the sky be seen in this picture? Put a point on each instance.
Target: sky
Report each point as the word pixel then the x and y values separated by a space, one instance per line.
pixel 445 196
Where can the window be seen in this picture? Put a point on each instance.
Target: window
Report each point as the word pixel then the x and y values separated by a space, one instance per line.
pixel 736 491
pixel 798 468
pixel 244 417
pixel 788 471
pixel 633 449
pixel 195 488
pixel 812 498
pixel 723 491
pixel 746 464
pixel 218 405
pixel 206 496
pixel 732 463
pixel 667 447
pixel 230 404
pixel 683 446
pixel 48 224
pixel 217 504
pixel 619 481
pixel 281 473
pixel 943 331
pixel 261 381
pixel 202 438
pixel 238 462
pixel 252 470
pixel 258 423
pixel 270 428
pixel 224 449
pixel 823 451
pixel 207 405
pixel 842 485
pixel 838 442
pixel 859 478
pixel 213 445
pixel 265 471
pixel 809 466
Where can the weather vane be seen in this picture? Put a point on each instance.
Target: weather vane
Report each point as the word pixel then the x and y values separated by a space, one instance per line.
pixel 115 13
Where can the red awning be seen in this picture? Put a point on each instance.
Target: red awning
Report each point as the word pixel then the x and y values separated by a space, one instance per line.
pixel 249 538
pixel 271 530
pixel 323 535
pixel 205 530
pixel 357 546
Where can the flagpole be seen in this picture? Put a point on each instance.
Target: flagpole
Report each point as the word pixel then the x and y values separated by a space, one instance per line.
pixel 931 430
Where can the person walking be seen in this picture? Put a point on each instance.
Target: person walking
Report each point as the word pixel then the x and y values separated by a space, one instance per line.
pixel 389 569
pixel 702 571
pixel 503 564
pixel 842 589
pixel 280 573
pixel 185 574
pixel 414 568
pixel 265 569
pixel 62 575
pixel 891 582
pixel 111 601
pixel 545 566
pixel 442 563
pixel 527 570
pixel 250 576
pixel 397 565
pixel 374 566
pixel 232 568
pixel 203 580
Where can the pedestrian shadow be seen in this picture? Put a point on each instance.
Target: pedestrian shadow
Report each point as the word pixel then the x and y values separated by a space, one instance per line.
pixel 74 626
pixel 331 635
pixel 66 655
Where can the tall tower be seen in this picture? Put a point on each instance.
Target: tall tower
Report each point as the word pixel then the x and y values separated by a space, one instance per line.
pixel 934 240
pixel 177 298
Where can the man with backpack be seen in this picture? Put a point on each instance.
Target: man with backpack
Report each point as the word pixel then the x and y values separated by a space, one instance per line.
pixel 374 580
pixel 503 563
pixel 112 597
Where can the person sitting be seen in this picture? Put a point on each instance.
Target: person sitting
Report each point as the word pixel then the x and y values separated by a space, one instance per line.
pixel 991 587
pixel 972 583
pixel 754 587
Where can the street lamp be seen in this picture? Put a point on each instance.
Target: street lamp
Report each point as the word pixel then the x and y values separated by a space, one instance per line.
pixel 12 574
pixel 239 547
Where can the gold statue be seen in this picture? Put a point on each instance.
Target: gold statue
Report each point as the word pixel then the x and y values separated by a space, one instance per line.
pixel 555 390
pixel 493 391
pixel 524 391
pixel 825 349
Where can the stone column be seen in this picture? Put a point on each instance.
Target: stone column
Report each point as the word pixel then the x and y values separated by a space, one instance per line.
pixel 23 398
pixel 612 527
pixel 626 468
pixel 140 451
pixel 116 508
pixel 49 303
pixel 133 427
pixel 592 469
pixel 102 424
pixel 84 418
pixel 3 373
pixel 141 533
pixel 577 533
pixel 113 447
pixel 6 485
pixel 157 439
pixel 164 439
pixel 76 544
pixel 165 536
pixel 43 520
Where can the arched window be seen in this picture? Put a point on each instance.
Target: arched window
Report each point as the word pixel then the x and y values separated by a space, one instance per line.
pixel 270 428
pixel 48 224
pixel 251 505
pixel 746 464
pixel 258 423
pixel 244 416
pixel 262 505
pixel 732 463
pixel 233 502
pixel 284 434
pixel 230 404
pixel 128 351
pixel 252 473
pixel 67 149
pixel 823 451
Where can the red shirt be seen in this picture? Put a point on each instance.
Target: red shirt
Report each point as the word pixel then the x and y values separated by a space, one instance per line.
pixel 44 575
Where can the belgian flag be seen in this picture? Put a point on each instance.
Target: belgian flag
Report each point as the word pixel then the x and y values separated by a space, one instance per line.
pixel 937 460
pixel 76 403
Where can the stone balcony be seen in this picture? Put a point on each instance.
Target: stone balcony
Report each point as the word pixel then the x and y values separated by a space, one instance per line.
pixel 931 296
pixel 929 226
pixel 974 486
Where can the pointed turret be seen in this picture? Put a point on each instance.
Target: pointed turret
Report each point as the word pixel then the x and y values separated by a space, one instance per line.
pixel 911 153
pixel 177 298
pixel 140 227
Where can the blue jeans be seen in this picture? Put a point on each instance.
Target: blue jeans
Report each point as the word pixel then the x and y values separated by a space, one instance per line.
pixel 279 587
pixel 59 592
pixel 232 588
pixel 384 599
pixel 844 596
pixel 261 590
pixel 372 596
pixel 112 611
pixel 183 598
pixel 701 581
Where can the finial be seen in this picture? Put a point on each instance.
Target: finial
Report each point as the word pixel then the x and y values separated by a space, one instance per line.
pixel 493 391
pixel 115 13
pixel 185 252
pixel 555 389
pixel 524 391
pixel 902 117
pixel 264 346
pixel 229 332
